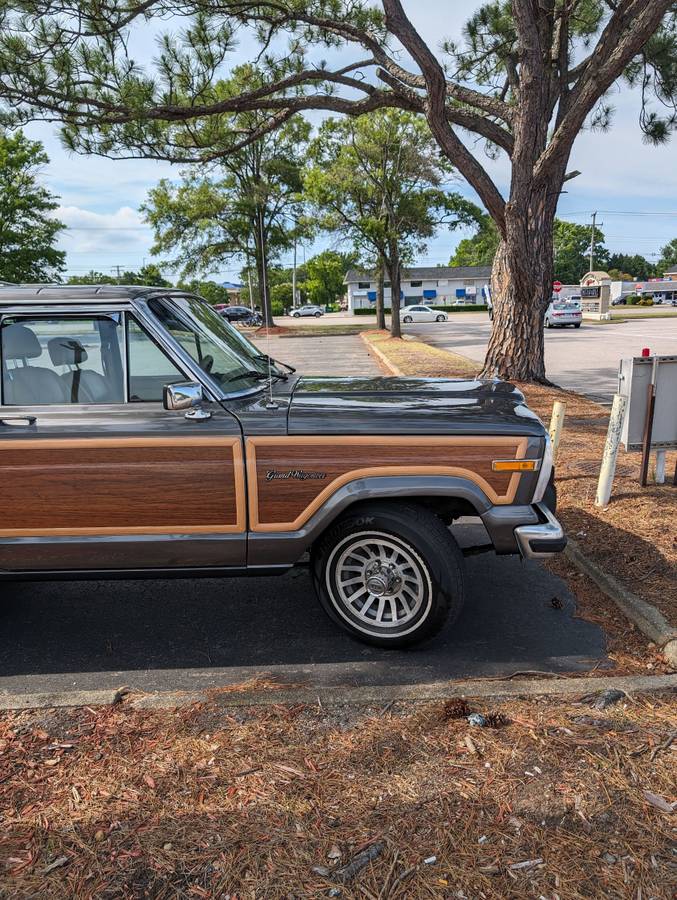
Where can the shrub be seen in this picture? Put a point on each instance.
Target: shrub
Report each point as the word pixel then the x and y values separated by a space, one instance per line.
pixel 632 300
pixel 646 301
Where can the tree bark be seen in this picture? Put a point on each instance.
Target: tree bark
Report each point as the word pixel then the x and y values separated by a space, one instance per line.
pixel 394 271
pixel 261 258
pixel 521 288
pixel 380 304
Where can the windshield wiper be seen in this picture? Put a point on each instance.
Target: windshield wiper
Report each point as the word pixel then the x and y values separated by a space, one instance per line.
pixel 258 376
pixel 276 362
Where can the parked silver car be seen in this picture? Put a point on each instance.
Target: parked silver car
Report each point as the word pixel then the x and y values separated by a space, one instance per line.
pixel 307 310
pixel 559 314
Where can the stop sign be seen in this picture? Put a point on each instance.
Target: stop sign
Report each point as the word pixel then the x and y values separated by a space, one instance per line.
pixel 638 287
pixel 557 286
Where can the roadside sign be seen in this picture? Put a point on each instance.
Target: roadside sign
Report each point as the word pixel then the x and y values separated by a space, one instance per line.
pixel 638 287
pixel 634 379
pixel 557 286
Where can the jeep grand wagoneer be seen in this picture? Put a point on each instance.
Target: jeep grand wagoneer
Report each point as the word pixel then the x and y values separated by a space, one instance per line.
pixel 141 435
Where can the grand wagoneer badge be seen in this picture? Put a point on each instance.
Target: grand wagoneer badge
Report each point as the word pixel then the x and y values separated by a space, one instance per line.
pixel 294 474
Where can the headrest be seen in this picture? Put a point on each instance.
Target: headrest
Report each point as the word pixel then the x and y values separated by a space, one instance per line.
pixel 66 351
pixel 19 342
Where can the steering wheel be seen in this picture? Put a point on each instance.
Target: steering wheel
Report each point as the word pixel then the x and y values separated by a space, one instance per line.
pixel 207 363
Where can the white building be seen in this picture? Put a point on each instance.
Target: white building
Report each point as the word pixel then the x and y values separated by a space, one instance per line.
pixel 436 286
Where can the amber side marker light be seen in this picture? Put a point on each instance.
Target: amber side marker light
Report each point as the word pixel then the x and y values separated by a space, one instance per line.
pixel 515 465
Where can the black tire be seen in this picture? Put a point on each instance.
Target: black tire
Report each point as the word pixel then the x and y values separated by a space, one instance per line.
pixel 440 319
pixel 317 315
pixel 577 325
pixel 548 324
pixel 296 315
pixel 407 532
pixel 407 319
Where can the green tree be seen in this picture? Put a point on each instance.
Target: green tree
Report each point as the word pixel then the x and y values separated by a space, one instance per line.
pixel 668 258
pixel 242 209
pixel 480 249
pixel 633 264
pixel 149 275
pixel 28 231
pixel 380 181
pixel 523 80
pixel 211 291
pixel 572 251
pixel 325 280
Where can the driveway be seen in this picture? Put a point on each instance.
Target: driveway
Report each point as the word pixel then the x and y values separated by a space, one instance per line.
pixel 584 359
pixel 321 355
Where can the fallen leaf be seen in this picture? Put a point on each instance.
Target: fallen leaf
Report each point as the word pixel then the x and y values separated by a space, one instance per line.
pixel 150 781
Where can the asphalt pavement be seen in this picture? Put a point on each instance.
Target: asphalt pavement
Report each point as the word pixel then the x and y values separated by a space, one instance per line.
pixel 584 359
pixel 205 633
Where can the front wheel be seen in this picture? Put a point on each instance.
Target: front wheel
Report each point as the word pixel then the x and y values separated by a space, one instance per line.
pixel 317 315
pixel 440 319
pixel 296 315
pixel 390 574
pixel 407 319
pixel 577 325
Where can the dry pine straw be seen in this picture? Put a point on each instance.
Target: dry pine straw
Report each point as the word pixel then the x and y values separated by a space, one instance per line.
pixel 635 537
pixel 209 801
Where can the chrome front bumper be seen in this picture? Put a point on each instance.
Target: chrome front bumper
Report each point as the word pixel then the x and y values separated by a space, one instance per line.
pixel 542 539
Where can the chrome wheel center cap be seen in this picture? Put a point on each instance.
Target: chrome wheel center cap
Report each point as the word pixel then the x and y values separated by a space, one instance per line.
pixel 377 585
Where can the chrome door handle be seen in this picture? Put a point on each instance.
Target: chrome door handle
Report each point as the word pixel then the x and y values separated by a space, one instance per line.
pixel 18 420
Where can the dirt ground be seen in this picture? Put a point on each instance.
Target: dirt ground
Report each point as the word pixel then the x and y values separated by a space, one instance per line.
pixel 635 537
pixel 556 800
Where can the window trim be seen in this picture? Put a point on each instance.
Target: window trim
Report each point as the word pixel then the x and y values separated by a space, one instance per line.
pixel 131 313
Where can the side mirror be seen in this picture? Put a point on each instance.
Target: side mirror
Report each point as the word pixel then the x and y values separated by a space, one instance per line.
pixel 185 395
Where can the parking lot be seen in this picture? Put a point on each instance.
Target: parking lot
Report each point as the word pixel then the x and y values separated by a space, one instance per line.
pixel 206 633
pixel 584 359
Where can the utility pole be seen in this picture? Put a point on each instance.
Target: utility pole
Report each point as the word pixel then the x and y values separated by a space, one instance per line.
pixel 117 269
pixel 592 240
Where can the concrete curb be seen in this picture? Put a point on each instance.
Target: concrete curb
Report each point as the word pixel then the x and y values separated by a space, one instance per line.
pixel 380 357
pixel 369 695
pixel 644 615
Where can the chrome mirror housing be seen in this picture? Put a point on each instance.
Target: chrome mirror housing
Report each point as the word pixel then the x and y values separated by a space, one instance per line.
pixel 185 395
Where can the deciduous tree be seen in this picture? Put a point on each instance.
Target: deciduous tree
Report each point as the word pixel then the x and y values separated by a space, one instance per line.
pixel 28 230
pixel 381 181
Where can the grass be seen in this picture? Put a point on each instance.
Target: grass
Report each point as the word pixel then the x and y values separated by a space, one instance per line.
pixel 559 800
pixel 313 330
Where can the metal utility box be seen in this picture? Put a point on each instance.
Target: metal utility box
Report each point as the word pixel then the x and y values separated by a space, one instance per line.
pixel 634 378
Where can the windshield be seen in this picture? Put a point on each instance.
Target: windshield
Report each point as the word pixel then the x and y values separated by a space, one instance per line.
pixel 219 349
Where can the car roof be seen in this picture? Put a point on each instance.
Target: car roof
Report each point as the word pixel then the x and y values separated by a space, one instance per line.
pixel 58 293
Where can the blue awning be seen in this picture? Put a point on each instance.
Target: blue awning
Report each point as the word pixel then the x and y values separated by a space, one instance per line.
pixel 430 294
pixel 460 292
pixel 371 295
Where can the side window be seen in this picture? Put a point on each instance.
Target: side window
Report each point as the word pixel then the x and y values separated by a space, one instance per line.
pixel 61 359
pixel 149 368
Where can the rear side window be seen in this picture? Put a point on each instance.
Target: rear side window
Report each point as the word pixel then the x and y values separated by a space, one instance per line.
pixel 61 360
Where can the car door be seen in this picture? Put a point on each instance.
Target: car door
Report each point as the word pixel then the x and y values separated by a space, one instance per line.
pixel 96 474
pixel 418 314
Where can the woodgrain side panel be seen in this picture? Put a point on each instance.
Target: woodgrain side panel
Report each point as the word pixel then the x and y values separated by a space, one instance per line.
pixel 285 504
pixel 122 486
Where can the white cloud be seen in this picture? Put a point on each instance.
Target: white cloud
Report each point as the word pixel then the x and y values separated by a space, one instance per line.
pixel 92 232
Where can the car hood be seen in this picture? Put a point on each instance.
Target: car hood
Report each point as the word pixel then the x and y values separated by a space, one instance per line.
pixel 409 406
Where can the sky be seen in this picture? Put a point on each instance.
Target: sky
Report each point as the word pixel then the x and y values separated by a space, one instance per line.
pixel 632 185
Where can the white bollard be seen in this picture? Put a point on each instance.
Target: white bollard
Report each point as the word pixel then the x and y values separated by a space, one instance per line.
pixel 660 466
pixel 613 440
pixel 556 423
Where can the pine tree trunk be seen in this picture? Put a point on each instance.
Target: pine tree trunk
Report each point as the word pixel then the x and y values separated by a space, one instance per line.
pixel 380 290
pixel 395 279
pixel 521 288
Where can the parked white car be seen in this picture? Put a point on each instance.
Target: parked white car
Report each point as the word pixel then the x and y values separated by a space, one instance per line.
pixel 559 314
pixel 422 314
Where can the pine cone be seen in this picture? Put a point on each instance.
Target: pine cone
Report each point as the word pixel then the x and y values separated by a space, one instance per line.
pixel 496 720
pixel 456 709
